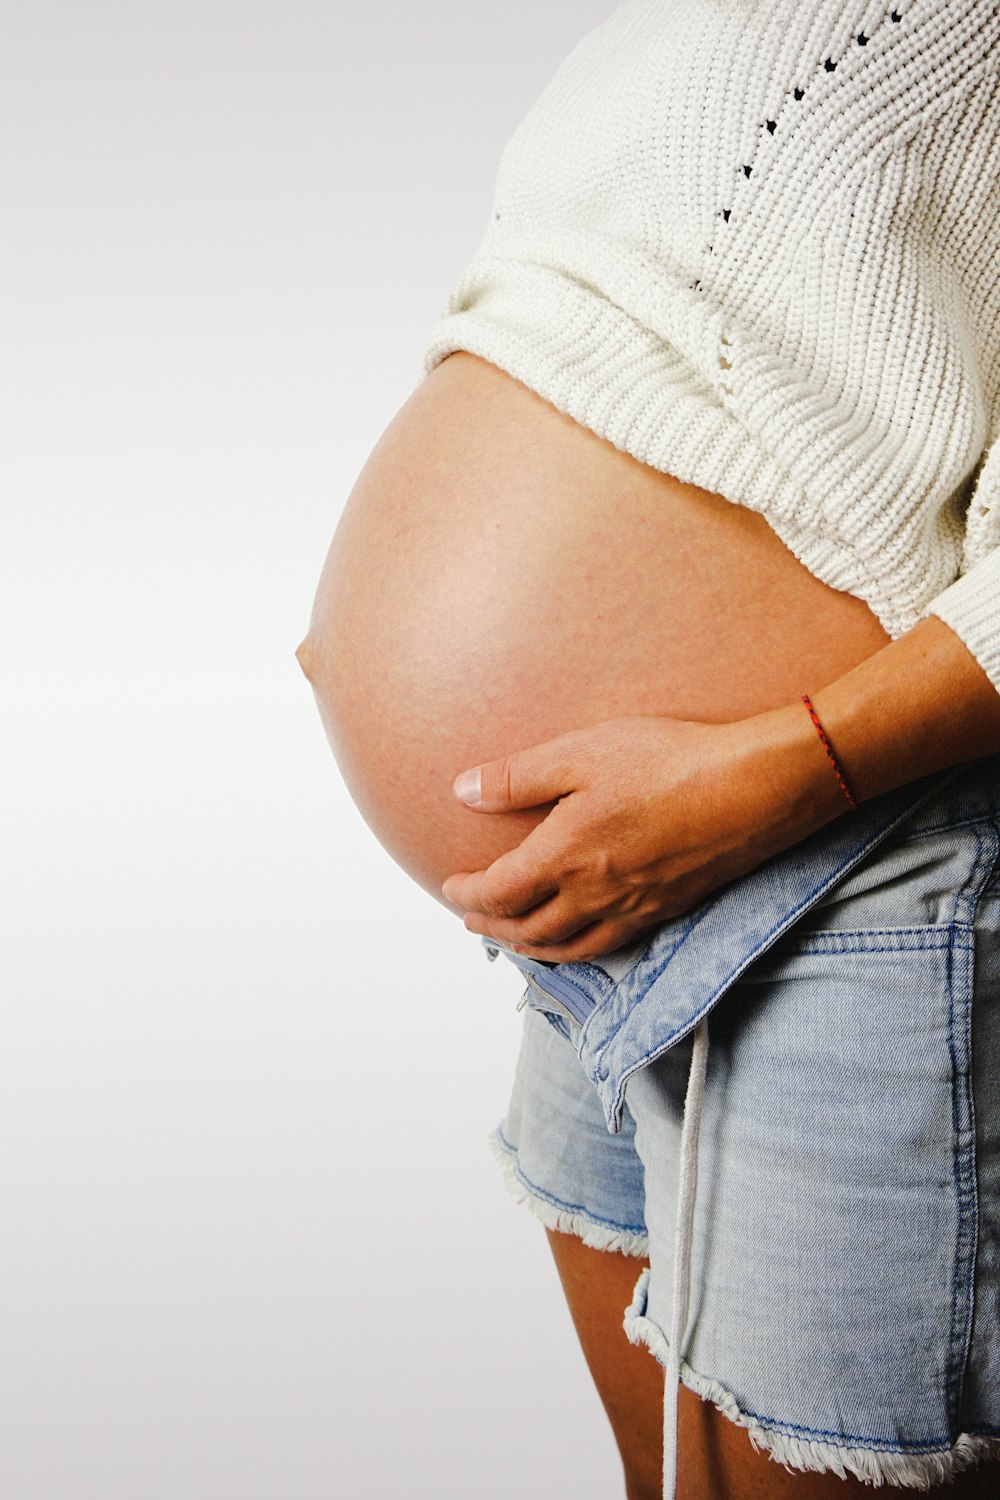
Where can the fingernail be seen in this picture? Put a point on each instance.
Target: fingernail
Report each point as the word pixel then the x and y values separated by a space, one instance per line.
pixel 469 786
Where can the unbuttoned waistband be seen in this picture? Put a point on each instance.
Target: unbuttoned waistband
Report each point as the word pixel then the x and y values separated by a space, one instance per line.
pixel 641 1000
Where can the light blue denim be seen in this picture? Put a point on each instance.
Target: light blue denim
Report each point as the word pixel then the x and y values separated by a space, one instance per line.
pixel 845 1273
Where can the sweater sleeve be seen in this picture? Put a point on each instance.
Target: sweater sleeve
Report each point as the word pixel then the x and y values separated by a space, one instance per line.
pixel 971 605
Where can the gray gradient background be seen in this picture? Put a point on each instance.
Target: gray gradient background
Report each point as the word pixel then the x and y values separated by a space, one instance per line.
pixel 253 1242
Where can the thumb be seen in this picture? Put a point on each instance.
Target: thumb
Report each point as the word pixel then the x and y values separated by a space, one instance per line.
pixel 525 779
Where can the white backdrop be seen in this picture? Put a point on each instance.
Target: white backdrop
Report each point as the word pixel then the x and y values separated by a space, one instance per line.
pixel 253 1242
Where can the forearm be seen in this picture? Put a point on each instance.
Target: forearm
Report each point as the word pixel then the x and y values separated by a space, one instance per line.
pixel 650 815
pixel 919 705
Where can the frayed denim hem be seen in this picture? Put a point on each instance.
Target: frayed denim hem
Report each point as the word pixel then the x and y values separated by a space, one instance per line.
pixel 565 1217
pixel 917 1471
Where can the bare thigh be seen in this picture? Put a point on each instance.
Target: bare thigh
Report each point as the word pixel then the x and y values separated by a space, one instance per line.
pixel 716 1460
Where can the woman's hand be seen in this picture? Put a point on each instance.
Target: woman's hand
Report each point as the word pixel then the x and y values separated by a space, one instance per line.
pixel 653 814
pixel 650 816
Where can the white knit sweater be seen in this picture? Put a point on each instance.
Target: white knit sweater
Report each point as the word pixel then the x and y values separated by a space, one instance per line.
pixel 756 244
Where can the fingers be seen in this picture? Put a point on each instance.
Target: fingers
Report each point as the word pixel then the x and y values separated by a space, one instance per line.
pixel 541 920
pixel 589 943
pixel 513 884
pixel 537 919
pixel 548 923
pixel 527 778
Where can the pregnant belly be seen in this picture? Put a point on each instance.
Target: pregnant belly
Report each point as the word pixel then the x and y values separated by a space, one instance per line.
pixel 500 575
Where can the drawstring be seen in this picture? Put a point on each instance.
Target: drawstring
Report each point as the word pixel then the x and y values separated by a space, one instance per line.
pixel 682 1252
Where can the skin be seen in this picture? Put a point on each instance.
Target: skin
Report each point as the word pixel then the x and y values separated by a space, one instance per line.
pixel 652 815
pixel 717 1461
pixel 500 576
pixel 621 657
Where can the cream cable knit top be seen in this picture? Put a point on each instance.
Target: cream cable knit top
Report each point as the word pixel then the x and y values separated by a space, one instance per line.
pixel 756 244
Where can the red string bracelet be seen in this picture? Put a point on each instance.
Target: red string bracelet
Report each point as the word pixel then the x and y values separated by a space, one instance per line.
pixel 833 759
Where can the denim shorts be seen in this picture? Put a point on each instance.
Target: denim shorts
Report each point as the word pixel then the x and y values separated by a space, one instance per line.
pixel 836 1203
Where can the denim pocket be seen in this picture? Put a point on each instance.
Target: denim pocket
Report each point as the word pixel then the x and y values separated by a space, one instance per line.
pixel 919 880
pixel 846 1051
pixel 848 1066
pixel 640 1002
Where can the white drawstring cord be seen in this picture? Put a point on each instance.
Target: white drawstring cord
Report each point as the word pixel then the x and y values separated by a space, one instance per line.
pixel 684 1231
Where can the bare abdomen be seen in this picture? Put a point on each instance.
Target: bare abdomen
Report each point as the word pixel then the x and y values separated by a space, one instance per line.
pixel 501 575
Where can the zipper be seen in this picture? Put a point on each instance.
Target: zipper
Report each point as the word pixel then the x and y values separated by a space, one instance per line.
pixel 560 1006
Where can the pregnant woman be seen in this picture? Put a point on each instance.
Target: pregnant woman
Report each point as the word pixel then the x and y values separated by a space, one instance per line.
pixel 660 638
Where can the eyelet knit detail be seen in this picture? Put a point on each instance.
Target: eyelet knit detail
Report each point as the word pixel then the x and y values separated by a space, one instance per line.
pixel 758 247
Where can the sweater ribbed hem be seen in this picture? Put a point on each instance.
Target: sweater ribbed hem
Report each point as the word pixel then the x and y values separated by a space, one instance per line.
pixel 755 247
pixel 629 376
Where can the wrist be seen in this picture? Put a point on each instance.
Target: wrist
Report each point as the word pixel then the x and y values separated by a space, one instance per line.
pixel 799 779
pixel 918 705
